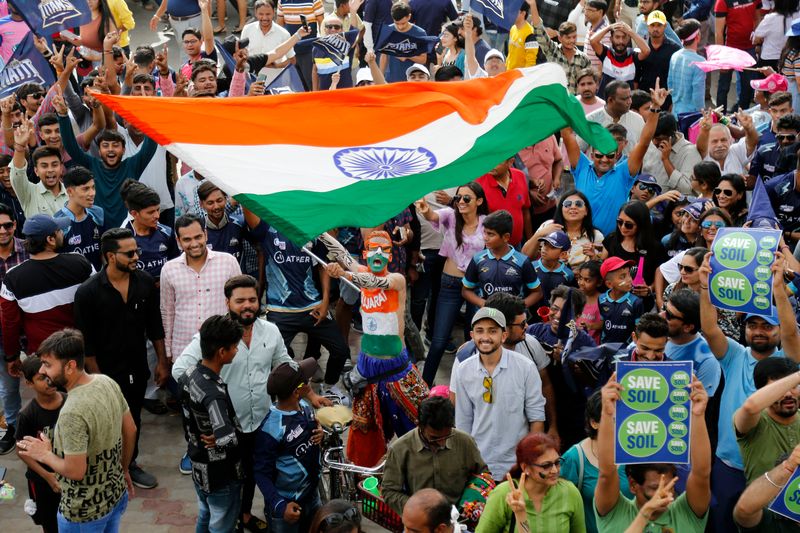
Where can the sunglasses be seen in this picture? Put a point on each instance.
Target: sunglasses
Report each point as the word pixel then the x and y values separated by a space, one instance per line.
pixel 130 254
pixel 786 137
pixel 598 155
pixel 715 223
pixel 671 316
pixel 8 226
pixel 645 187
pixel 333 27
pixel 571 203
pixel 337 519
pixel 36 95
pixel 549 465
pixel 462 197
pixel 487 384
pixel 627 224
pixel 520 324
pixel 724 192
pixel 686 268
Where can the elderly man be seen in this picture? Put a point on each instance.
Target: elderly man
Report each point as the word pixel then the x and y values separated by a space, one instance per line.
pixel 716 144
pixel 436 455
pixel 428 511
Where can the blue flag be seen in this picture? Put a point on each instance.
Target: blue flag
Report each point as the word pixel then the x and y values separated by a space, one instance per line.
pixel 230 65
pixel 394 43
pixel 46 17
pixel 26 65
pixel 288 81
pixel 503 13
pixel 334 47
pixel 306 45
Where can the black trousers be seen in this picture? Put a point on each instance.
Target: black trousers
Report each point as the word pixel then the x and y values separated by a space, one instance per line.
pixel 326 333
pixel 247 445
pixel 133 389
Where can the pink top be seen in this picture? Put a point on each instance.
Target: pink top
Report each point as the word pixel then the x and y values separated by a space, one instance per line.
pixel 591 314
pixel 471 244
pixel 11 32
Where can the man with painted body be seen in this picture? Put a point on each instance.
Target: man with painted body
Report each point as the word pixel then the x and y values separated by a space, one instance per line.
pixel 393 387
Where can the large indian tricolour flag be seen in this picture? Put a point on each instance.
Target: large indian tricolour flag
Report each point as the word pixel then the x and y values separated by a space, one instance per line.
pixel 310 162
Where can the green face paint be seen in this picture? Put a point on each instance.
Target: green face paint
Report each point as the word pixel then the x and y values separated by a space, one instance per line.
pixel 377 260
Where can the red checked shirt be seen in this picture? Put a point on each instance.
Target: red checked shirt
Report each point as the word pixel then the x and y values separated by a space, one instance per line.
pixel 514 199
pixel 189 297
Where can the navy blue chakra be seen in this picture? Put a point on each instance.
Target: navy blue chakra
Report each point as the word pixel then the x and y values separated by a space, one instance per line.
pixel 375 163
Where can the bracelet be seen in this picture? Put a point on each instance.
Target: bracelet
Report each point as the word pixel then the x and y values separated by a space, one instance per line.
pixel 766 476
pixel 655 110
pixel 704 288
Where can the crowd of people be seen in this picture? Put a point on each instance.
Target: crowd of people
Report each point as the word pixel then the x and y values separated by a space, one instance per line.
pixel 131 282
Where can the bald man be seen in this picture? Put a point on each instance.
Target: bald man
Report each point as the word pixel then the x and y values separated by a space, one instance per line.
pixel 715 143
pixel 428 511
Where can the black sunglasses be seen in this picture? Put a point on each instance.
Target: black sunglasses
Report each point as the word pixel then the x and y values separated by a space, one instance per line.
pixel 337 519
pixel 688 269
pixel 8 226
pixel 671 316
pixel 786 137
pixel 598 155
pixel 647 187
pixel 458 197
pixel 549 465
pixel 130 254
pixel 37 95
pixel 627 224
pixel 333 26
pixel 725 192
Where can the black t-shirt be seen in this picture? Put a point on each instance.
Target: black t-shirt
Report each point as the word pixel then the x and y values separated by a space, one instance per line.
pixel 656 65
pixel 34 419
pixel 772 523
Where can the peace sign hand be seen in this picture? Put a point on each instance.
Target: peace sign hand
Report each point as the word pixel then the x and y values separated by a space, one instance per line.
pixel 515 497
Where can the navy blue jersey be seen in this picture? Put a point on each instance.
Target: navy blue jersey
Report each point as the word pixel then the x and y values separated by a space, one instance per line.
pixel 83 237
pixel 228 238
pixel 785 201
pixel 512 273
pixel 157 248
pixel 290 273
pixel 550 279
pixel 619 316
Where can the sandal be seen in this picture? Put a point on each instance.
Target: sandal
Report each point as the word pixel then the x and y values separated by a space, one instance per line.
pixel 238 29
pixel 220 29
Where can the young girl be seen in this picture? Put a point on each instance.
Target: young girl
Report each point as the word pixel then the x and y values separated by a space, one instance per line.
pixel 789 63
pixel 589 283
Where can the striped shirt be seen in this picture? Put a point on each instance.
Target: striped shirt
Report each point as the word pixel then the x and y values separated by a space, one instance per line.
pixel 189 297
pixel 597 65
pixel 553 52
pixel 791 64
pixel 291 10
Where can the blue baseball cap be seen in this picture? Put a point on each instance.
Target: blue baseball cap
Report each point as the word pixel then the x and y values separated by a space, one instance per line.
pixel 41 225
pixel 557 239
pixel 650 180
pixel 793 31
pixel 772 318
pixel 696 208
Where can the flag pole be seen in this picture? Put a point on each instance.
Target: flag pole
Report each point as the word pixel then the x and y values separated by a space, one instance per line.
pixel 316 258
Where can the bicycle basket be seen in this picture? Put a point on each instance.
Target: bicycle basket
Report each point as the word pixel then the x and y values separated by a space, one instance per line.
pixel 374 508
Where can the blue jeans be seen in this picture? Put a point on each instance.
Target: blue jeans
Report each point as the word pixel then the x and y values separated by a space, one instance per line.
pixel 218 511
pixel 9 394
pixel 107 524
pixel 727 484
pixel 309 508
pixel 447 308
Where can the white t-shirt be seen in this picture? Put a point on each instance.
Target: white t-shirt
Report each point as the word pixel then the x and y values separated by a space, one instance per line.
pixel 671 269
pixel 155 173
pixel 737 160
pixel 773 30
pixel 264 43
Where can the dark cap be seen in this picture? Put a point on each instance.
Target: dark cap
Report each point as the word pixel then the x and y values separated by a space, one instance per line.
pixel 41 225
pixel 649 180
pixel 557 239
pixel 285 378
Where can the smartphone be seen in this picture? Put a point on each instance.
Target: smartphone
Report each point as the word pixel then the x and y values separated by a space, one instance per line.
pixel 304 22
pixel 261 77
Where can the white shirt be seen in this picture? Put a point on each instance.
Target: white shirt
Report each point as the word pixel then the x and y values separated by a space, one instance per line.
pixel 155 173
pixel 773 30
pixel 264 43
pixel 737 160
pixel 631 121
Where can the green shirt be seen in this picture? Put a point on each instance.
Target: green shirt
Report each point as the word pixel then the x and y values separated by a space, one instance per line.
pixel 410 466
pixel 90 423
pixel 772 523
pixel 562 511
pixel 679 518
pixel 762 445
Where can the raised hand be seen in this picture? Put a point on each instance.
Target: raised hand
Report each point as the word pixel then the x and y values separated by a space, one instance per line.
pixel 699 397
pixel 72 60
pixel 22 133
pixel 745 119
pixel 7 104
pixel 610 394
pixel 704 271
pixel 162 61
pixel 59 104
pixel 660 500
pixel 658 95
pixel 515 498
pixel 240 56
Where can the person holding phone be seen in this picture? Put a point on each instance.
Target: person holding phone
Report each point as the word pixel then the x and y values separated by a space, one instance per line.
pixel 671 158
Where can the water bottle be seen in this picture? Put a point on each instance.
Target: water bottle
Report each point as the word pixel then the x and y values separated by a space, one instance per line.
pixel 89 54
pixel 638 280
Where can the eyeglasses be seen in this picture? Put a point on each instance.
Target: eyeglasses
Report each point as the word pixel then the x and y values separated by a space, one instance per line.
pixel 688 269
pixel 671 316
pixel 627 224
pixel 130 254
pixel 646 187
pixel 521 324
pixel 715 223
pixel 434 439
pixel 549 465
pixel 487 384
pixel 575 203
pixel 598 155
pixel 8 226
pixel 786 137
pixel 192 41
pixel 337 519
pixel 462 197
pixel 333 26
pixel 724 192
pixel 36 95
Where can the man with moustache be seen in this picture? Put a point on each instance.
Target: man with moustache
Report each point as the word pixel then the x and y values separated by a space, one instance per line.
pixel 766 424
pixel 260 350
pixel 117 310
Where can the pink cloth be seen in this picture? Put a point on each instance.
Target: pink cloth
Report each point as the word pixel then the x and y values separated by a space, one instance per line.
pixel 470 244
pixel 11 33
pixel 189 297
pixel 719 57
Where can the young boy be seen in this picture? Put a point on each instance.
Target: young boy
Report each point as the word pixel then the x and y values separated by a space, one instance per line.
pixel 83 235
pixel 551 267
pixel 287 454
pixel 40 416
pixel 619 308
pixel 499 267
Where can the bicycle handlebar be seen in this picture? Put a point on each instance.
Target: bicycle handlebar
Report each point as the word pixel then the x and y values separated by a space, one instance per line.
pixel 351 468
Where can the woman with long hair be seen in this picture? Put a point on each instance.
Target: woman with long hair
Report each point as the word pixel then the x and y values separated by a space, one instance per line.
pixel 573 216
pixel 705 178
pixel 789 63
pixel 770 33
pixel 336 516
pixel 730 196
pixel 93 32
pixel 534 493
pixel 634 239
pixel 453 45
pixel 462 230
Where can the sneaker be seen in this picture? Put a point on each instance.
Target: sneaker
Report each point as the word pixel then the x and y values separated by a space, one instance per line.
pixel 155 406
pixel 140 478
pixel 336 395
pixel 450 348
pixel 357 327
pixel 8 442
pixel 186 465
pixel 255 524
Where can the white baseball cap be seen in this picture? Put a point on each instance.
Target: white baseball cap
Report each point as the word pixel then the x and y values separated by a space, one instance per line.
pixel 417 66
pixel 494 52
pixel 363 74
